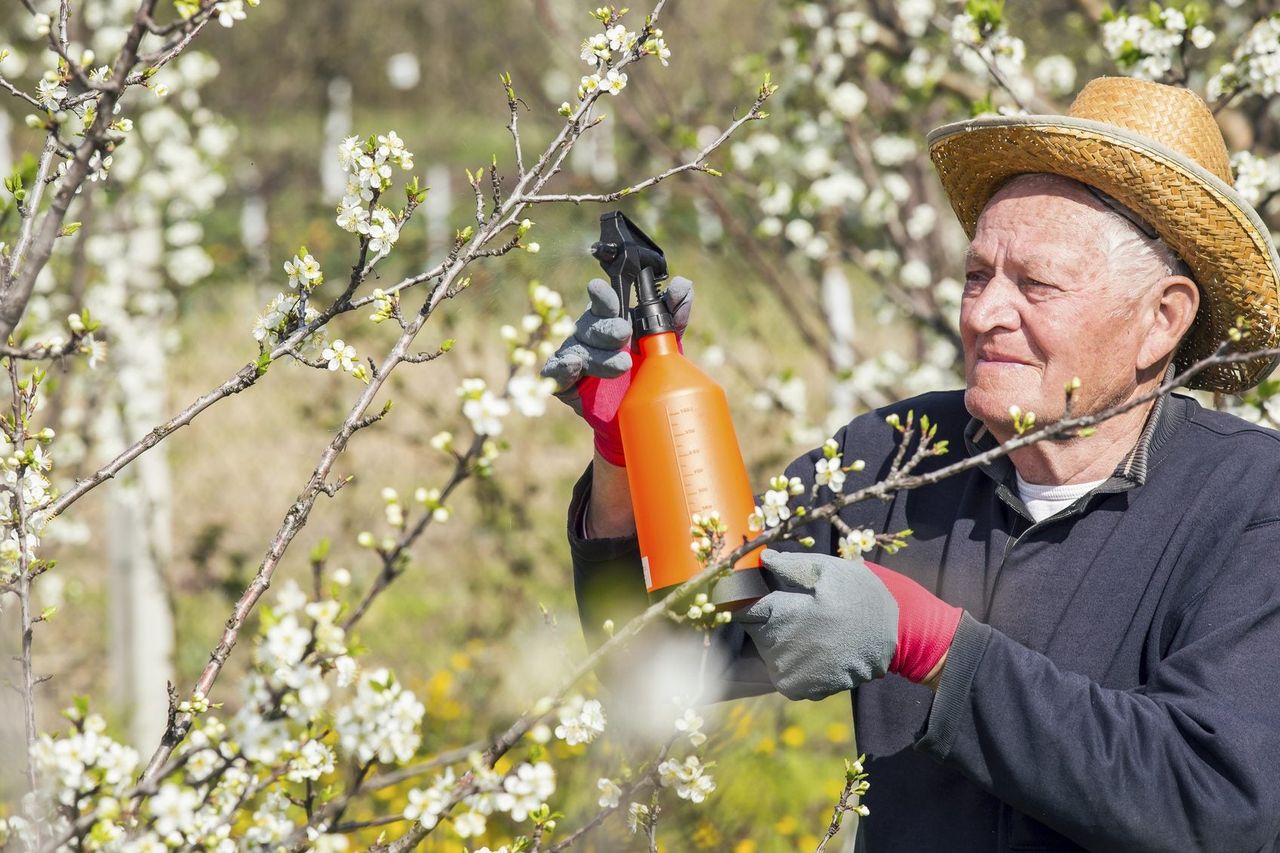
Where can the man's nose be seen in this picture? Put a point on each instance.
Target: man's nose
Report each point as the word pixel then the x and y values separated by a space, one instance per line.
pixel 995 306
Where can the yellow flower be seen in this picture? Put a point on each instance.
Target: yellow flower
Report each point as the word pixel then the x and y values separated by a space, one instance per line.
pixel 742 723
pixel 460 661
pixel 793 736
pixel 766 745
pixel 707 836
pixel 838 733
pixel 786 825
pixel 746 845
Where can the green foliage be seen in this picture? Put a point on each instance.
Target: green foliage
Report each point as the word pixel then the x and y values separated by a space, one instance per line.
pixel 987 14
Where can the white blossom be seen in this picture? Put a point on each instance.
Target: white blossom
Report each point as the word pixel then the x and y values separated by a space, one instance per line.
pixel 1256 177
pixel 482 408
pixel 828 472
pixel 689 778
pixel 381 721
pixel 50 92
pixel 303 271
pixel 581 720
pixel 892 150
pixel 1055 74
pixel 352 215
pixel 689 723
pixel 340 356
pixel 230 11
pixel 858 542
pixel 595 49
pixel 915 15
pixel 613 82
pixel 284 643
pixel 469 824
pixel 525 789
pixel 530 393
pixel 637 817
pixel 172 809
pixel 314 760
pixel 609 793
pixel 382 230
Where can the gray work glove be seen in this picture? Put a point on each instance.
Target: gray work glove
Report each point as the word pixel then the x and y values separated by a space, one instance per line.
pixel 592 367
pixel 829 626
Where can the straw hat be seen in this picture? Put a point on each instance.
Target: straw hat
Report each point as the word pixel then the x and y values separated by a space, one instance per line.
pixel 1157 150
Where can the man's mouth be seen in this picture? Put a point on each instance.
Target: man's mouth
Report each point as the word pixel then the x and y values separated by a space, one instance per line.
pixel 1001 358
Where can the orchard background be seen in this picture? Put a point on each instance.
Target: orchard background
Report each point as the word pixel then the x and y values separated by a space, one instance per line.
pixel 826 266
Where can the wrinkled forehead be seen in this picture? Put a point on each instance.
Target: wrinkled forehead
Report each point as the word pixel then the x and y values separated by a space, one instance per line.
pixel 1052 194
pixel 1043 217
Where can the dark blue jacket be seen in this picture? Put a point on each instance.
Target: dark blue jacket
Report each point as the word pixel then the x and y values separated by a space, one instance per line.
pixel 1113 684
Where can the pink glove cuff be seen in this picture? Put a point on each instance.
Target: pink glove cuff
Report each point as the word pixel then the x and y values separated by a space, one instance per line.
pixel 609 445
pixel 600 401
pixel 926 625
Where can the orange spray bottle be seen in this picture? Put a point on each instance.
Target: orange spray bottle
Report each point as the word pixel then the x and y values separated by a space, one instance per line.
pixel 682 452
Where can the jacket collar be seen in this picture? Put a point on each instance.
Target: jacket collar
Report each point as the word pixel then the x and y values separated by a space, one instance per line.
pixel 1162 421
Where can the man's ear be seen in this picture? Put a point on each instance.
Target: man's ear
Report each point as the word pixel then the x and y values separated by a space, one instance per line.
pixel 1171 312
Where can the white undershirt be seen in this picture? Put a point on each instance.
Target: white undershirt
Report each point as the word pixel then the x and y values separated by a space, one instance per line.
pixel 1044 501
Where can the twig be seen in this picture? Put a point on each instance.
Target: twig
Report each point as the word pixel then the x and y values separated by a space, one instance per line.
pixel 513 104
pixel 29 210
pixel 651 825
pixel 18 93
pixel 696 164
pixel 43 352
pixel 242 379
pixel 842 807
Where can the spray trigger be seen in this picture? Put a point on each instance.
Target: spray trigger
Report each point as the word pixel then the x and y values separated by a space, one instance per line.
pixel 634 262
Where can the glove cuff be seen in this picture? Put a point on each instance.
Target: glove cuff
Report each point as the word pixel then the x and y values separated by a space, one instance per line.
pixel 926 625
pixel 609 446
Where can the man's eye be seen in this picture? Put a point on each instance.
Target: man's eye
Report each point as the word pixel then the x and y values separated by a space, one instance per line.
pixel 975 279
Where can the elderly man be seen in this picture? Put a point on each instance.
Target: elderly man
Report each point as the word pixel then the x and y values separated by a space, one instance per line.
pixel 1082 635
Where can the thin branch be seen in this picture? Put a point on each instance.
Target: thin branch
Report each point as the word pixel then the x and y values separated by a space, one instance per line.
pixel 695 165
pixel 241 380
pixel 649 777
pixel 842 807
pixel 29 210
pixel 355 826
pixel 18 93
pixel 988 59
pixel 513 104
pixel 43 352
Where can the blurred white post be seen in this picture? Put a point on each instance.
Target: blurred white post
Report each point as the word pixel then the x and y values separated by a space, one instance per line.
pixel 139 542
pixel 337 127
pixel 837 306
pixel 437 207
pixel 255 225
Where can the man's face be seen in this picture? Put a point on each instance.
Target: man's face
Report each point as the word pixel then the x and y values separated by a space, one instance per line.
pixel 1040 307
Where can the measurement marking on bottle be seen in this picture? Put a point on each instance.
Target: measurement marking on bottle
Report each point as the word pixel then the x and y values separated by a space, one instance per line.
pixel 693 477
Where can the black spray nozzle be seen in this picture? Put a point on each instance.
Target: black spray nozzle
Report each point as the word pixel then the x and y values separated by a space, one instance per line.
pixel 634 262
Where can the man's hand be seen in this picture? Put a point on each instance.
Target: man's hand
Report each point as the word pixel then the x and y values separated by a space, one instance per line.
pixel 592 367
pixel 833 624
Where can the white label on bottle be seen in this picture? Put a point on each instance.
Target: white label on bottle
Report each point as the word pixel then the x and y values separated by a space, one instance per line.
pixel 648 580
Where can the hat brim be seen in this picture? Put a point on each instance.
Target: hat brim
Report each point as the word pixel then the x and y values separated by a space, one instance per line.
pixel 1216 232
